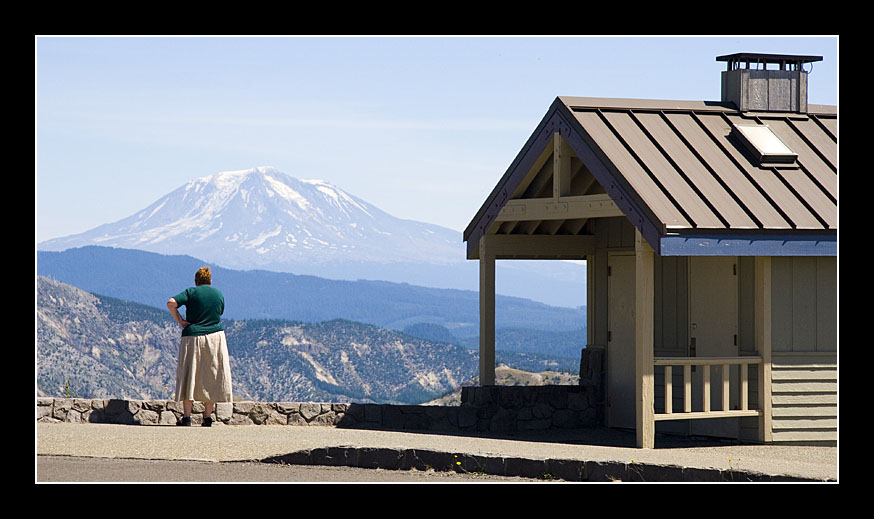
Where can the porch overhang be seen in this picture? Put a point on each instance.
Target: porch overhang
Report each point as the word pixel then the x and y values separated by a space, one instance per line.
pixel 558 121
pixel 673 170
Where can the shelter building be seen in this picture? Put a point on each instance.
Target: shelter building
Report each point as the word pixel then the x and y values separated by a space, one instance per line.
pixel 709 230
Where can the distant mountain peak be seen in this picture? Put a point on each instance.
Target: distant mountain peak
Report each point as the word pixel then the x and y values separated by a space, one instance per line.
pixel 264 218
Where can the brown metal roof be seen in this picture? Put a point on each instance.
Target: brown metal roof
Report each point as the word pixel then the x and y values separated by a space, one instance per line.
pixel 683 170
pixel 679 159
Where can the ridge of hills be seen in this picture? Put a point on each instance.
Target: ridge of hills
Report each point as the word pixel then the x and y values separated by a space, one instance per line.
pixel 96 346
pixel 151 278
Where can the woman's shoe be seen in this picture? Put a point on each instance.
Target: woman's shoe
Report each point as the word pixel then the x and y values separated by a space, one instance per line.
pixel 184 421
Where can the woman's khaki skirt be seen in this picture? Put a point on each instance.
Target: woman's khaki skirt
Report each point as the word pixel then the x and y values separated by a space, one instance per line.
pixel 203 370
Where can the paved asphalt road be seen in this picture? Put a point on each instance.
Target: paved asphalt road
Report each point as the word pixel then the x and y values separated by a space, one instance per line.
pixel 101 470
pixel 208 449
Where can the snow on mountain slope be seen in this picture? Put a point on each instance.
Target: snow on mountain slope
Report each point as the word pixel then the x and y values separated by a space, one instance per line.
pixel 263 218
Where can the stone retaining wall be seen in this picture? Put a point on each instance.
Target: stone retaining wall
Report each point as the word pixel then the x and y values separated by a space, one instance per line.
pixel 483 408
pixel 491 408
pixel 532 408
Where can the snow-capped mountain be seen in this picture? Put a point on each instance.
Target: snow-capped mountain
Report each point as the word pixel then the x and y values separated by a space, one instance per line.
pixel 263 218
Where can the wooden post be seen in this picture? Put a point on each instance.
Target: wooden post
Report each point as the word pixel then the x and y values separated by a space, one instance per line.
pixel 763 342
pixel 486 314
pixel 590 299
pixel 643 342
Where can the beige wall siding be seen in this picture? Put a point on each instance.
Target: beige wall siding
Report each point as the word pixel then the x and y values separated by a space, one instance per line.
pixel 804 387
pixel 804 397
pixel 804 303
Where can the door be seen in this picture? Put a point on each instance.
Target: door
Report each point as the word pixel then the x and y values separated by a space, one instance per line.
pixel 620 341
pixel 713 333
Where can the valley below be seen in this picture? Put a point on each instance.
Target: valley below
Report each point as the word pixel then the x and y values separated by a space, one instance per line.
pixel 93 346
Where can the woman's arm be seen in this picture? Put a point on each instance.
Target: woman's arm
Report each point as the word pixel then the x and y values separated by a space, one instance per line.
pixel 173 306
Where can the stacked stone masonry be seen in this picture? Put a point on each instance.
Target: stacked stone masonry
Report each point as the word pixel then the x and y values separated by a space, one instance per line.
pixel 483 408
pixel 490 408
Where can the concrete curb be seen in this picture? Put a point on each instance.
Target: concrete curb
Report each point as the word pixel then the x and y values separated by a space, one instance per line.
pixel 545 469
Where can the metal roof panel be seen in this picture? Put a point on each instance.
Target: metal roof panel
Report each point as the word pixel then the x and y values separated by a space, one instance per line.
pixel 710 147
pixel 666 176
pixel 770 185
pixel 631 169
pixel 702 180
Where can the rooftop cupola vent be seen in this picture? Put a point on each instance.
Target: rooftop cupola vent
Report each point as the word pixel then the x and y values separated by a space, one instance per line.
pixel 752 86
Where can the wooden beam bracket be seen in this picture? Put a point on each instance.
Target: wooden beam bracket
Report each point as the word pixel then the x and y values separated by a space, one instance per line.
pixel 563 208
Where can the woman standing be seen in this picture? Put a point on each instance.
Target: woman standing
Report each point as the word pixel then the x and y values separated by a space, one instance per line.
pixel 203 369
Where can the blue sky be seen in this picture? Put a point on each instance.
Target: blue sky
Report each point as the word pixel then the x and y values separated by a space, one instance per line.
pixel 422 127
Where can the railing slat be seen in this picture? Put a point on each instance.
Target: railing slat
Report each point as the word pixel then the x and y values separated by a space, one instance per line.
pixel 706 363
pixel 706 380
pixel 687 388
pixel 668 390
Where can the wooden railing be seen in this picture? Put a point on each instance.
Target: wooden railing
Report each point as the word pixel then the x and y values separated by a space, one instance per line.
pixel 705 363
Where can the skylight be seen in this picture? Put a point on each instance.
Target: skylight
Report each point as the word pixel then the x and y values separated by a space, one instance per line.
pixel 764 144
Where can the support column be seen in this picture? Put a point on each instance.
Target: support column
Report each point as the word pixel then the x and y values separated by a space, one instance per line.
pixel 644 383
pixel 486 314
pixel 590 299
pixel 763 343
